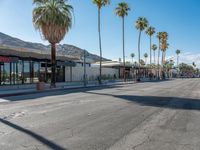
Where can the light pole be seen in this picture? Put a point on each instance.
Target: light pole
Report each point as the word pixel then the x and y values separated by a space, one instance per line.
pixel 84 75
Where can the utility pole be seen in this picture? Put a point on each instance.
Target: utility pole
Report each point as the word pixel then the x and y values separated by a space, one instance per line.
pixel 84 76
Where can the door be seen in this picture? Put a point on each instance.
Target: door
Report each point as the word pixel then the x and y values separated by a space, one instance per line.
pixel 1 73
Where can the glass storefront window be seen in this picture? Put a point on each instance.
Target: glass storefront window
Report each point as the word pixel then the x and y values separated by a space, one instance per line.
pixel 19 78
pixel 43 74
pixel 36 72
pixel 13 73
pixel 6 73
pixel 60 74
pixel 27 78
pixel 18 71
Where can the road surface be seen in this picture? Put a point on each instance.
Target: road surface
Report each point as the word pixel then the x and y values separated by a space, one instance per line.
pixel 144 116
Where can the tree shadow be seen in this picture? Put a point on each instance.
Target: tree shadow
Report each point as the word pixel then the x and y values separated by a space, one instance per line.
pixel 158 101
pixel 38 137
pixel 57 92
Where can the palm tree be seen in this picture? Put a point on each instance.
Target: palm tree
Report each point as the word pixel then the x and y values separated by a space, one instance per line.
pixel 150 31
pixel 178 53
pixel 54 19
pixel 154 48
pixel 100 4
pixel 145 57
pixel 193 64
pixel 164 46
pixel 141 24
pixel 159 36
pixel 132 56
pixel 122 11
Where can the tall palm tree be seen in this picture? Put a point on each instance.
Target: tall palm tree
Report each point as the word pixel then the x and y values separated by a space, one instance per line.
pixel 100 4
pixel 164 46
pixel 193 64
pixel 132 56
pixel 122 10
pixel 54 19
pixel 159 36
pixel 145 57
pixel 140 24
pixel 178 53
pixel 150 31
pixel 154 48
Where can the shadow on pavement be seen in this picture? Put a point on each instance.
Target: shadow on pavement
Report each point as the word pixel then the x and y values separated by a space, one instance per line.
pixel 39 138
pixel 156 101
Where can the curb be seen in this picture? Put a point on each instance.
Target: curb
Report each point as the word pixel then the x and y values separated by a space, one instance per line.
pixel 61 89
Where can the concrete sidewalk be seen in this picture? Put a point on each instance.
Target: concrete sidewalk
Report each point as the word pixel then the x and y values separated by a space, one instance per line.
pixel 31 89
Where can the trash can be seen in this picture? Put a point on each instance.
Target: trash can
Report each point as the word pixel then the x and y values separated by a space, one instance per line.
pixel 40 86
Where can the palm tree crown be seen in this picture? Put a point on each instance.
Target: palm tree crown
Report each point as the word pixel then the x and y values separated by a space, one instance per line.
pixel 164 38
pixel 122 9
pixel 178 52
pixel 141 23
pixel 154 47
pixel 150 31
pixel 132 55
pixel 101 3
pixel 53 18
pixel 159 36
pixel 145 55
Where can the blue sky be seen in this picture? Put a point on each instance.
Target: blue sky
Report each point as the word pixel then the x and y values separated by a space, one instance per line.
pixel 180 18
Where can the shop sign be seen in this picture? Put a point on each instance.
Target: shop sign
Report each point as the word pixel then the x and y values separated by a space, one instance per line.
pixel 8 59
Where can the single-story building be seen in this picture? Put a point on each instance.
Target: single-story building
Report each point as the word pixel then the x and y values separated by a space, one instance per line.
pixel 26 66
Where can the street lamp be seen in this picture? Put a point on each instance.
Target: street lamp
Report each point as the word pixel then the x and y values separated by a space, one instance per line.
pixel 85 75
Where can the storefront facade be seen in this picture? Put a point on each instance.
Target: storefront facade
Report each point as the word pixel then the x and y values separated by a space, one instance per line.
pixel 18 70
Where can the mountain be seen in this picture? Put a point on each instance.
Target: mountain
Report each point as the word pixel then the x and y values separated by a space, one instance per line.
pixel 65 49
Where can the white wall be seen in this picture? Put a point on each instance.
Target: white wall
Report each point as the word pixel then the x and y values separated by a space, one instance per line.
pixel 92 73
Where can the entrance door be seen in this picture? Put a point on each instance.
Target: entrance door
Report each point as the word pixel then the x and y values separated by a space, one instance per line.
pixel 1 73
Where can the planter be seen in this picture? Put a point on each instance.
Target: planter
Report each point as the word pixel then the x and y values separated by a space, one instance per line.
pixel 40 86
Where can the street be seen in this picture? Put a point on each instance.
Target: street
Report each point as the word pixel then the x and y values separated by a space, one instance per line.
pixel 161 115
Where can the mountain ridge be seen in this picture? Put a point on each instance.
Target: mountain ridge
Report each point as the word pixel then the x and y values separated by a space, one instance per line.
pixel 62 49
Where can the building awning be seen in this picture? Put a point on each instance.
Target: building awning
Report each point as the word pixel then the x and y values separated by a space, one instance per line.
pixel 66 63
pixel 32 53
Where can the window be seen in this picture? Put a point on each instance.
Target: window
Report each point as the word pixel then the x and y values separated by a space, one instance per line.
pixel 36 72
pixel 27 72
pixel 6 73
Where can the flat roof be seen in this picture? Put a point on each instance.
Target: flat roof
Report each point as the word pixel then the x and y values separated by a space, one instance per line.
pixel 32 53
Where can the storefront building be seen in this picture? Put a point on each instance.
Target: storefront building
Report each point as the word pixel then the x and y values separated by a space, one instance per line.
pixel 17 67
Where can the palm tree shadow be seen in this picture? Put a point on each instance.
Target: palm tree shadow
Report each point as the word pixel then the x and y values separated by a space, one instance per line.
pixel 158 101
pixel 38 137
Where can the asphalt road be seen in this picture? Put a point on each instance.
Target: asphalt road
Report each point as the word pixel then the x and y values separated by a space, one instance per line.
pixel 144 116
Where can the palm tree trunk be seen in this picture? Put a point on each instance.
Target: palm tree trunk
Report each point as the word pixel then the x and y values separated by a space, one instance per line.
pixel 154 57
pixel 159 61
pixel 162 58
pixel 124 69
pixel 178 64
pixel 99 30
pixel 150 50
pixel 177 60
pixel 53 65
pixel 139 54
